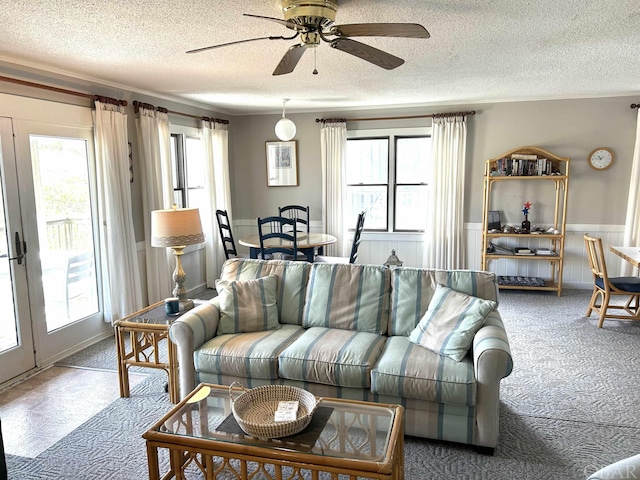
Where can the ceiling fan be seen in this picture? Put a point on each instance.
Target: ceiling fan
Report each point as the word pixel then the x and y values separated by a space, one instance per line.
pixel 313 21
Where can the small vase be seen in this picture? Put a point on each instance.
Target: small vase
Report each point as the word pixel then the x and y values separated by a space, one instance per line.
pixel 526 225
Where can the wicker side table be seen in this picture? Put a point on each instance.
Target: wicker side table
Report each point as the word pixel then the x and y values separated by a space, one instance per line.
pixel 147 328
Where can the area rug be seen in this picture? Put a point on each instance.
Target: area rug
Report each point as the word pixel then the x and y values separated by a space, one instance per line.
pixel 568 408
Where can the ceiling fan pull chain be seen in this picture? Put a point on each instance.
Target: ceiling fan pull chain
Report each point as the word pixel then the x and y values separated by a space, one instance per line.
pixel 315 61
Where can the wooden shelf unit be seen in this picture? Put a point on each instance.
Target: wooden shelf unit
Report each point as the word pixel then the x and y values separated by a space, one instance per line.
pixel 556 241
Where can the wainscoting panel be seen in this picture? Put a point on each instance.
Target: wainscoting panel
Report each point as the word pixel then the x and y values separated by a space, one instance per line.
pixel 576 273
pixel 376 248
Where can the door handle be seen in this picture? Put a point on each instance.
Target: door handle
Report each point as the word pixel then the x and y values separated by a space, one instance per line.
pixel 20 246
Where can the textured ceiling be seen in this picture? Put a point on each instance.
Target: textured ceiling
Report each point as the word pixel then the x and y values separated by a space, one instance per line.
pixel 479 51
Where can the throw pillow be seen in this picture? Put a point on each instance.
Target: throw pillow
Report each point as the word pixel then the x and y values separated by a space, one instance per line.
pixel 450 322
pixel 248 305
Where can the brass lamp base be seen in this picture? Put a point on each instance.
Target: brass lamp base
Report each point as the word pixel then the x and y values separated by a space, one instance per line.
pixel 185 305
pixel 179 277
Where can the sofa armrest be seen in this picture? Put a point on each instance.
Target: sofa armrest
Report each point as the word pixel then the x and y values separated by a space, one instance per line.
pixel 189 332
pixel 491 350
pixel 492 362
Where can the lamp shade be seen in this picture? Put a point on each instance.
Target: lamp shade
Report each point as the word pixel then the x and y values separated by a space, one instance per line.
pixel 285 129
pixel 176 227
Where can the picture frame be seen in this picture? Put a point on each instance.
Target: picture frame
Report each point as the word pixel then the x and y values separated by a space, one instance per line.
pixel 282 163
pixel 494 221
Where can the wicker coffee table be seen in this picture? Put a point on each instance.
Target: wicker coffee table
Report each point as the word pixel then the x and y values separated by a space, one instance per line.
pixel 346 439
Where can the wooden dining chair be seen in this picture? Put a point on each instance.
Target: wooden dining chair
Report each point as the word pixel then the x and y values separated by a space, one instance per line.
pixel 300 213
pixel 226 236
pixel 282 228
pixel 353 256
pixel 605 287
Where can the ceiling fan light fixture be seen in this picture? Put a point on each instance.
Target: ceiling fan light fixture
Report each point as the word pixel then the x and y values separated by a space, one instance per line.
pixel 285 128
pixel 316 12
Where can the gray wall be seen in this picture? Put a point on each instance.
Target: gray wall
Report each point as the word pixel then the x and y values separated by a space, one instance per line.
pixel 569 128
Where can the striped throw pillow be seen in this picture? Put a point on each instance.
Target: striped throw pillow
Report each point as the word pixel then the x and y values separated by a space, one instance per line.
pixel 248 305
pixel 450 322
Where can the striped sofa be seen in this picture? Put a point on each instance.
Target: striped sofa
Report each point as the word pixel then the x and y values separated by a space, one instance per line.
pixel 343 331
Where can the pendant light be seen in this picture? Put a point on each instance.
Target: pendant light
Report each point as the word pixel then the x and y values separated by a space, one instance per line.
pixel 285 128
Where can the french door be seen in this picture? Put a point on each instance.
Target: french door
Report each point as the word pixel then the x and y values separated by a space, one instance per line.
pixel 16 341
pixel 49 272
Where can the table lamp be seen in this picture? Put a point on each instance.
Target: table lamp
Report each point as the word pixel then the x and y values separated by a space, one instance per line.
pixel 176 228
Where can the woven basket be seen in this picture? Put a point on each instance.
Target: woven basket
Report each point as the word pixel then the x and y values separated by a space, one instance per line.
pixel 255 408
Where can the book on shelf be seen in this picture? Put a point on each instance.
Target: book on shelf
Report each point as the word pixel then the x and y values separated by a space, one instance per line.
pixel 524 156
pixel 545 251
pixel 523 251
pixel 523 167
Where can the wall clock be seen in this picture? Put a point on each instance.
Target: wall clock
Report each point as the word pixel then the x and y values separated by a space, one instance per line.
pixel 601 158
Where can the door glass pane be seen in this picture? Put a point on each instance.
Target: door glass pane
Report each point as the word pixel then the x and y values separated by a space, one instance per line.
pixel 65 228
pixel 8 331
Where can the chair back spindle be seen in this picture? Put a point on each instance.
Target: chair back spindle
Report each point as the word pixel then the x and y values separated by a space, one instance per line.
pixel 297 212
pixel 272 229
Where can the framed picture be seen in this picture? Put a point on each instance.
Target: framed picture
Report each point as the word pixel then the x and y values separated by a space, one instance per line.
pixel 282 164
pixel 494 221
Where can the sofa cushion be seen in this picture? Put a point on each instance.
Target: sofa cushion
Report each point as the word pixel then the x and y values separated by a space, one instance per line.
pixel 247 305
pixel 248 355
pixel 332 356
pixel 412 289
pixel 451 321
pixel 292 282
pixel 351 297
pixel 407 370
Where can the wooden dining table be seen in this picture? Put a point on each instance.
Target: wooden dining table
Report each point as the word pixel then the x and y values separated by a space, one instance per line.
pixel 630 254
pixel 307 243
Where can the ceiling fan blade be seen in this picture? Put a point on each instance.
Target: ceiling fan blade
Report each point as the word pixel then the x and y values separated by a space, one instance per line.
pixel 241 41
pixel 290 59
pixel 368 53
pixel 286 23
pixel 407 30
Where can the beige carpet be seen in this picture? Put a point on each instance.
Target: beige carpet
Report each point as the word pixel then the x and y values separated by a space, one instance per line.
pixel 43 409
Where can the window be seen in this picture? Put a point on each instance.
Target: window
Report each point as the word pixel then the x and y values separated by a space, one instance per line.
pixel 387 172
pixel 187 162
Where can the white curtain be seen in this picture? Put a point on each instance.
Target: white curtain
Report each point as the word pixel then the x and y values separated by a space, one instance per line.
pixel 215 138
pixel 333 151
pixel 632 222
pixel 154 149
pixel 444 235
pixel 122 294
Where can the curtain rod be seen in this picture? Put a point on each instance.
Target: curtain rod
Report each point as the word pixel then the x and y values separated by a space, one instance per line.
pixel 63 90
pixel 635 105
pixel 433 115
pixel 138 105
pixel 101 98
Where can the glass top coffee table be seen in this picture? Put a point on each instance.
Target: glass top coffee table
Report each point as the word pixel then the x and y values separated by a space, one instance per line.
pixel 345 439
